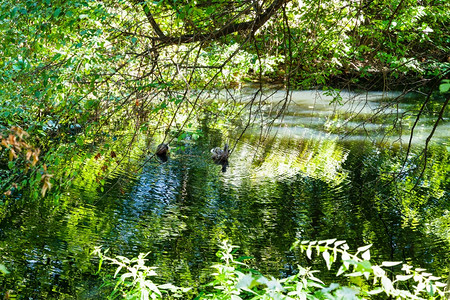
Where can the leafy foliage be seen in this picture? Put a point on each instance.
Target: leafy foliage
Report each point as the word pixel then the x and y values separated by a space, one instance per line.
pixel 23 156
pixel 135 283
pixel 233 280
pixel 75 73
pixel 82 81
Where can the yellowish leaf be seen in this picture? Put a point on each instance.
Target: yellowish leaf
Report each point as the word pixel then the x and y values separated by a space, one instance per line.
pixel 29 153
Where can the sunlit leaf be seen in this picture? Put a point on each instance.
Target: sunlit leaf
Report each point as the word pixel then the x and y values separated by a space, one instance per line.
pixel 117 271
pixel 125 276
pixel 167 286
pixel 309 252
pixel 431 277
pixel 375 291
pixel 403 277
pixel 354 274
pixel 420 269
pixel 444 87
pixel 246 282
pixel 387 284
pixel 346 293
pixel 338 243
pixel 366 255
pixel 364 248
pixel 390 263
pixel 3 269
pixel 331 288
pixel 328 259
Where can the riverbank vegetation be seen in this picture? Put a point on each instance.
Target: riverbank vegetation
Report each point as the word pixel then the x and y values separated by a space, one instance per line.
pixel 87 86
pixel 75 72
pixel 232 278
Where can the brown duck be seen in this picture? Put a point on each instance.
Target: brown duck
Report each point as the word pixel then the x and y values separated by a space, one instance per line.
pixel 162 151
pixel 220 156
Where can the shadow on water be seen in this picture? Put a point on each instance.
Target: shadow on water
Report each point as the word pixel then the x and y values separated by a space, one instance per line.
pixel 303 183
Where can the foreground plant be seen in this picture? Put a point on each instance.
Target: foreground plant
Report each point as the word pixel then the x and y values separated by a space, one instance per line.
pixel 135 282
pixel 367 279
pixel 232 278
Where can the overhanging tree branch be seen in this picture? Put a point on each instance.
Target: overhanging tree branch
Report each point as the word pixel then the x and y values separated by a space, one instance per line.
pixel 151 20
pixel 253 25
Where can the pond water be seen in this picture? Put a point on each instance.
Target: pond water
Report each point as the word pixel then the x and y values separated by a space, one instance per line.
pixel 318 172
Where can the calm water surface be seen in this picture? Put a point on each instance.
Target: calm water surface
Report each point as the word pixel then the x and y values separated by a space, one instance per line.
pixel 298 180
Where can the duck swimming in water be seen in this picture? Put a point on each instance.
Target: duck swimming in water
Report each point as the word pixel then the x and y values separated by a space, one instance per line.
pixel 220 156
pixel 161 151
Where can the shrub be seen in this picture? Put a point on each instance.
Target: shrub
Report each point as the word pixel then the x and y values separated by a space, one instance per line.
pixel 232 278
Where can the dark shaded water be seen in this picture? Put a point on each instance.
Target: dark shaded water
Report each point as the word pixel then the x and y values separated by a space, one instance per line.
pixel 302 183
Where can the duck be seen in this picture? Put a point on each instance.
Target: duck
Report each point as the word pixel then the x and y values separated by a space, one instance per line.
pixel 220 156
pixel 161 151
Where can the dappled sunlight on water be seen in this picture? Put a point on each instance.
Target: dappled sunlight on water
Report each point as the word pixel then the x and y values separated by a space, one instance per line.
pixel 309 115
pixel 321 159
pixel 300 180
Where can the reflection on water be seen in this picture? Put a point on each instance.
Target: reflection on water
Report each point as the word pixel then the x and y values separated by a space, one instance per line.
pixel 304 183
pixel 355 116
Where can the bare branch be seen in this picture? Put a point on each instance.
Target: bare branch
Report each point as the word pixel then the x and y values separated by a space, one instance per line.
pixel 427 142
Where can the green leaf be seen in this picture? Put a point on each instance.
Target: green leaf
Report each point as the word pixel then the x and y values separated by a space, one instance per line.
pixel 17 67
pixel 80 141
pixel 3 269
pixel 57 12
pixel 444 87
pixel 178 100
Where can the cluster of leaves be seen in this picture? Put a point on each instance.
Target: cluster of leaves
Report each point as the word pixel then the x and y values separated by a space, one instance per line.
pixel 25 157
pixel 233 279
pixel 360 40
pixel 135 282
pixel 45 58
pixel 367 279
pixel 57 74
